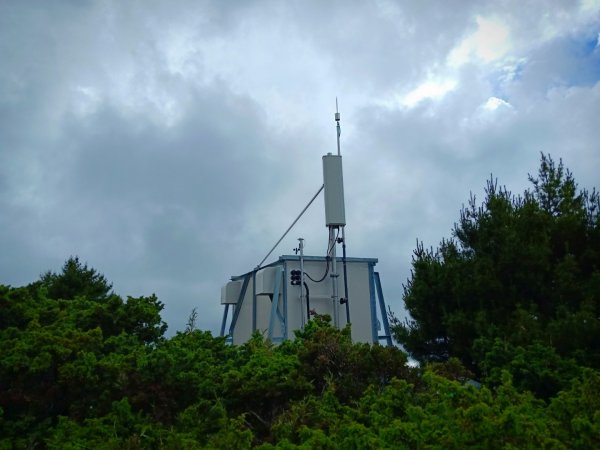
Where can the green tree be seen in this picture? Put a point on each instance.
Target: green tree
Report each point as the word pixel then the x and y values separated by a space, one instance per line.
pixel 521 269
pixel 331 360
pixel 76 279
pixel 68 355
pixel 89 373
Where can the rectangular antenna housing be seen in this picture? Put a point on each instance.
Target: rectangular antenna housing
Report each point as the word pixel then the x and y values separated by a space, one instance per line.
pixel 333 181
pixel 230 292
pixel 265 280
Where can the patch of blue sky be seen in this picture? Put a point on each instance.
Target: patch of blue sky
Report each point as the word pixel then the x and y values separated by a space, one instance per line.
pixel 585 67
pixel 590 44
pixel 572 61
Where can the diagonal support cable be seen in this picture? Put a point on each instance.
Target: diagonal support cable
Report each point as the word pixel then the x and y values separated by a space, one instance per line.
pixel 291 226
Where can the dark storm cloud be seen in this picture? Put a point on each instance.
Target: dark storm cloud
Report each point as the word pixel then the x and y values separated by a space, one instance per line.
pixel 165 197
pixel 170 144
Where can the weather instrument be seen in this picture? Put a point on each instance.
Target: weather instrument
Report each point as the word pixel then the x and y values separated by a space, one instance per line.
pixel 284 295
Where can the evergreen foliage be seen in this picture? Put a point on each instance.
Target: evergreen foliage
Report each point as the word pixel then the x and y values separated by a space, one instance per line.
pixel 76 280
pixel 516 287
pixel 510 300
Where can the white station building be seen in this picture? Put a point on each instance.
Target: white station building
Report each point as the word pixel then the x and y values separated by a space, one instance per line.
pixel 278 298
pixel 252 296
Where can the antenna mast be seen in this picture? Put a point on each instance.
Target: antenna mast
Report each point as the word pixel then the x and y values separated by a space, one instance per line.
pixel 335 218
pixel 337 119
pixel 343 300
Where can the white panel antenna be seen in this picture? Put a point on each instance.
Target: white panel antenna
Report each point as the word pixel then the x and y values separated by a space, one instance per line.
pixel 333 181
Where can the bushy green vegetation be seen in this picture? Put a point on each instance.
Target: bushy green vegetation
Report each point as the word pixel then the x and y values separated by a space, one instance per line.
pixel 512 301
pixel 517 288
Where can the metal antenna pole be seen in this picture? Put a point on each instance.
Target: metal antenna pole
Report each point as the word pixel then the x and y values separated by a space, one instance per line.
pixel 346 300
pixel 334 277
pixel 339 131
pixel 301 248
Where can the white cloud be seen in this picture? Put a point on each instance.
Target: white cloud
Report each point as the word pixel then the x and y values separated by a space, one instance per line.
pixel 170 146
pixel 590 6
pixel 490 42
pixel 493 103
pixel 428 90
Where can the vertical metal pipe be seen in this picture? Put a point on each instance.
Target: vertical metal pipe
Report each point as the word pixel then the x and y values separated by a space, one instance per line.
pixel 286 316
pixel 307 302
pixel 345 275
pixel 339 131
pixel 334 275
pixel 301 248
pixel 284 289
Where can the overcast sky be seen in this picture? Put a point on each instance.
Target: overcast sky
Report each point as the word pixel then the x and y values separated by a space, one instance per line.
pixel 169 144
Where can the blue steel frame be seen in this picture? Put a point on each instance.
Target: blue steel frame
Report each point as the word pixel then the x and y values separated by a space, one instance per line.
pixel 372 303
pixel 375 286
pixel 253 301
pixel 238 305
pixel 275 310
pixel 224 321
pixel 386 324
pixel 375 297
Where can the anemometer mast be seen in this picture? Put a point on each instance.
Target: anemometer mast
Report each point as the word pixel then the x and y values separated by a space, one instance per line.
pixel 335 218
pixel 333 183
pixel 280 297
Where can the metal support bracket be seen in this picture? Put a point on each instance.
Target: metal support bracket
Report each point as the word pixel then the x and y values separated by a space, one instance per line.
pixel 275 312
pixel 238 305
